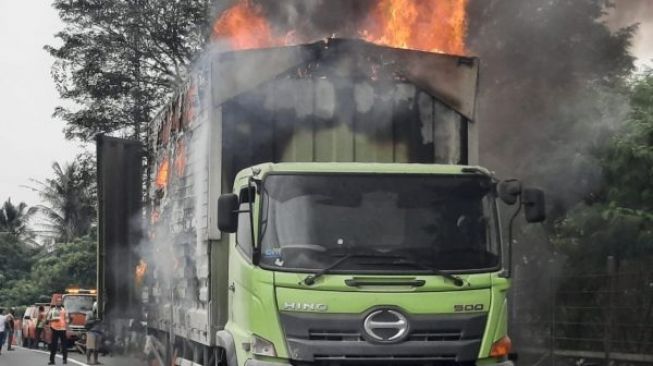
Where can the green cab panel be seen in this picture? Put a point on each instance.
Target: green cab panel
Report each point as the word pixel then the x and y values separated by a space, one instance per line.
pixel 430 299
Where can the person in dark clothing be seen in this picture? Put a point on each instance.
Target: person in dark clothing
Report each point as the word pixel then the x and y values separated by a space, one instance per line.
pixel 10 328
pixel 40 322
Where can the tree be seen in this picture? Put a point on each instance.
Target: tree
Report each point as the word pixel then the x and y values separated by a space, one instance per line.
pixel 618 221
pixel 28 274
pixel 14 220
pixel 16 260
pixel 70 199
pixel 120 59
pixel 71 264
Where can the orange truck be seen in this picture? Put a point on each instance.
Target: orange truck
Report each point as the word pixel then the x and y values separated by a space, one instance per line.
pixel 77 303
pixel 30 319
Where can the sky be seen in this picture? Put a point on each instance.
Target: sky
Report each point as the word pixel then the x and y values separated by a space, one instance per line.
pixel 31 139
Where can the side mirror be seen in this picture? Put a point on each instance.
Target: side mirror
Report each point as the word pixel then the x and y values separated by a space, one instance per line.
pixel 534 205
pixel 509 190
pixel 228 213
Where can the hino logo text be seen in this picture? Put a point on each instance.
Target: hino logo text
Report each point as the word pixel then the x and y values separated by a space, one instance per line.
pixel 298 306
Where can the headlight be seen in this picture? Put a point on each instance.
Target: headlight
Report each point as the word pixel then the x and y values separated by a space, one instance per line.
pixel 262 347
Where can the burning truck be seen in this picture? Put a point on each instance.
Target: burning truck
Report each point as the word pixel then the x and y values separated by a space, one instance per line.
pixel 317 204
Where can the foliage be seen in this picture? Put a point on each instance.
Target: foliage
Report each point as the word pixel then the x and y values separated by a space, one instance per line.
pixel 16 260
pixel 70 264
pixel 35 274
pixel 14 220
pixel 121 58
pixel 70 198
pixel 619 220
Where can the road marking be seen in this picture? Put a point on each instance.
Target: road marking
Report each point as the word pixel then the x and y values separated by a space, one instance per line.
pixel 57 355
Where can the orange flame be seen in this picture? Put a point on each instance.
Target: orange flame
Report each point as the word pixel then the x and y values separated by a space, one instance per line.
pixel 427 25
pixel 141 269
pixel 163 173
pixel 244 27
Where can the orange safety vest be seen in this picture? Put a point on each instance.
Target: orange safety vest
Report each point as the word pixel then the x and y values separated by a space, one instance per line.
pixel 57 319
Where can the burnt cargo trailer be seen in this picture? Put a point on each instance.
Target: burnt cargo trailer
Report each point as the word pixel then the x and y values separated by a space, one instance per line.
pixel 331 101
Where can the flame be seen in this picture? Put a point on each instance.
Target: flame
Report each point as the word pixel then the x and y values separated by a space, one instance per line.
pixel 163 173
pixel 427 25
pixel 244 27
pixel 141 269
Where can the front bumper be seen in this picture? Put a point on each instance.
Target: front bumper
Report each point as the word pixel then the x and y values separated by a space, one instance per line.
pixel 252 362
pixel 502 363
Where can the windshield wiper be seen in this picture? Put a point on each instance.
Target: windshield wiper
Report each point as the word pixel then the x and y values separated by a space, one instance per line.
pixel 310 279
pixel 404 260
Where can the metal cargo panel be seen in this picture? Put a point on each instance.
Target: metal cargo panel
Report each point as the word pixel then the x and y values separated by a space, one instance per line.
pixel 451 79
pixel 346 101
pixel 119 167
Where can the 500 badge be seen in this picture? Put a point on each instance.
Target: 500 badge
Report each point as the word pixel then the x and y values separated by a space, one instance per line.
pixel 468 307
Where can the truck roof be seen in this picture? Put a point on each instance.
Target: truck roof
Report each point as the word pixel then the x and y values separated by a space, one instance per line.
pixel 453 79
pixel 363 168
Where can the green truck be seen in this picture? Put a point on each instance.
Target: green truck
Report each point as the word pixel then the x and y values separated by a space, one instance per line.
pixel 319 204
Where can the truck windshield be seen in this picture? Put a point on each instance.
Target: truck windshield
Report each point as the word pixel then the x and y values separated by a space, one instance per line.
pixel 309 221
pixel 78 303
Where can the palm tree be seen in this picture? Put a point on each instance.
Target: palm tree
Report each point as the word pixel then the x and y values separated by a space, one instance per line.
pixel 69 199
pixel 14 219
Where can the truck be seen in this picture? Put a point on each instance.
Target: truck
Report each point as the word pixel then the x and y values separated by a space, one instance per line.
pixel 30 319
pixel 318 204
pixel 78 303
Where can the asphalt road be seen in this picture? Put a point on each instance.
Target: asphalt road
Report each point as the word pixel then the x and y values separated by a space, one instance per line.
pixel 29 357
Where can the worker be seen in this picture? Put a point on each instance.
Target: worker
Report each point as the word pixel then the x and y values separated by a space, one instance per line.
pixel 58 320
pixel 3 327
pixel 40 323
pixel 93 336
pixel 11 328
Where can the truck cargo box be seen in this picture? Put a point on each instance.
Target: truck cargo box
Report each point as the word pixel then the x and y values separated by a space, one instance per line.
pixel 336 100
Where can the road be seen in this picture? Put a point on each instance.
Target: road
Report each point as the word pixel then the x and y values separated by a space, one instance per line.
pixel 28 357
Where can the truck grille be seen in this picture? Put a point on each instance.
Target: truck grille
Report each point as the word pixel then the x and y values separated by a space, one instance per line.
pixel 328 335
pixel 340 339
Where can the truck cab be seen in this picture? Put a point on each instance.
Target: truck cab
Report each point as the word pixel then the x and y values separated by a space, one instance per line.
pixel 78 303
pixel 341 263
